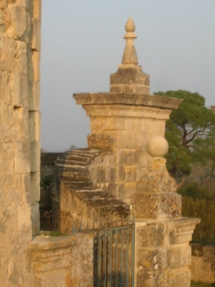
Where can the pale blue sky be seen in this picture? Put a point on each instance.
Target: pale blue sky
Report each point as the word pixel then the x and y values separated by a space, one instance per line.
pixel 82 43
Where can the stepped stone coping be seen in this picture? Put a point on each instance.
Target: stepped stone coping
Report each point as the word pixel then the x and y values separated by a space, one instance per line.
pixel 71 165
pixel 84 189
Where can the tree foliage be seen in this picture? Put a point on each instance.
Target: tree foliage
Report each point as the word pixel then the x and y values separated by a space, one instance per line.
pixel 190 132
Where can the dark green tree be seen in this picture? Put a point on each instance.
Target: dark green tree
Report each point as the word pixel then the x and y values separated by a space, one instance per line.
pixel 190 132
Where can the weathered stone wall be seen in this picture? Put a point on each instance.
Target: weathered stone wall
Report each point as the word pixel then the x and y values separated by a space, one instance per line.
pixel 203 263
pixel 65 261
pixel 76 200
pixel 19 136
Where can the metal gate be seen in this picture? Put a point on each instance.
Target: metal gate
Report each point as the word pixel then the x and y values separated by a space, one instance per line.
pixel 113 253
pixel 114 257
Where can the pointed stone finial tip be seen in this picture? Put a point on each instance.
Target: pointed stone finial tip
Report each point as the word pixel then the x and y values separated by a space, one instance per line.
pixel 130 26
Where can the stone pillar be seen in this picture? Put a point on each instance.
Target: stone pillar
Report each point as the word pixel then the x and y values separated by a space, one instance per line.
pixel 126 118
pixel 34 111
pixel 131 123
pixel 17 36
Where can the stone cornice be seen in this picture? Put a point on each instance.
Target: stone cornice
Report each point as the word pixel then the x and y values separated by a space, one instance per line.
pixel 126 99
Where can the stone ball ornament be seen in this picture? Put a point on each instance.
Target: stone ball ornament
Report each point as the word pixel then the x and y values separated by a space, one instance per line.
pixel 157 146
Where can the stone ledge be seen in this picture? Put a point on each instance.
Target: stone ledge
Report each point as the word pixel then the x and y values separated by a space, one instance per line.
pixel 181 229
pixel 126 99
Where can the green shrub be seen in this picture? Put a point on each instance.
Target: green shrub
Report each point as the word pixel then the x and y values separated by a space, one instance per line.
pixel 201 284
pixel 46 181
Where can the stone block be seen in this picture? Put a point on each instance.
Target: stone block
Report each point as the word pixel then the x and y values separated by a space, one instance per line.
pixel 126 190
pixel 27 188
pixel 22 60
pixel 37 9
pixel 34 126
pixel 151 260
pixel 121 156
pixel 35 186
pixel 155 177
pixel 18 21
pixel 151 235
pixel 1 17
pixel 22 157
pixel 121 173
pixel 35 217
pixel 112 174
pixel 130 157
pixel 129 75
pixel 151 279
pixel 102 141
pixel 156 205
pixel 179 278
pixel 16 88
pixel 130 173
pixel 131 124
pixel 100 175
pixel 22 3
pixel 7 113
pixel 107 123
pixel 19 89
pixel 34 96
pixel 21 128
pixel 127 139
pixel 179 256
pixel 36 65
pixel 24 223
pixel 34 156
pixel 4 87
pixel 7 60
pixel 36 39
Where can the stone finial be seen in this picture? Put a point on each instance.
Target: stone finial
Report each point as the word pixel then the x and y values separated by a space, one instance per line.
pixel 130 54
pixel 157 146
pixel 130 26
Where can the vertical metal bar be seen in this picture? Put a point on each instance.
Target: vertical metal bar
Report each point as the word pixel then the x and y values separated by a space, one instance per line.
pixel 116 246
pixel 127 251
pixel 110 257
pixel 105 258
pixel 133 253
pixel 121 259
pixel 99 259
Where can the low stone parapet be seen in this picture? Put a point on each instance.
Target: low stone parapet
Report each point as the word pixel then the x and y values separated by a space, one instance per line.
pixel 65 261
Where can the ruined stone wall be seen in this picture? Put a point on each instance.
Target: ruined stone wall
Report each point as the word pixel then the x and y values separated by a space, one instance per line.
pixel 19 136
pixel 203 263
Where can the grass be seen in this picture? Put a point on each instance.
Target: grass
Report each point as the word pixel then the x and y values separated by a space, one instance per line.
pixel 201 284
pixel 56 233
